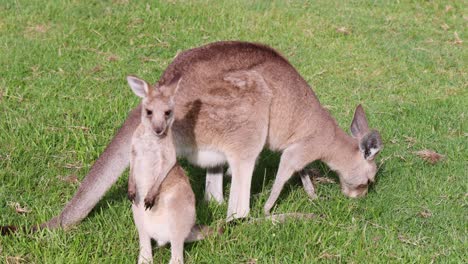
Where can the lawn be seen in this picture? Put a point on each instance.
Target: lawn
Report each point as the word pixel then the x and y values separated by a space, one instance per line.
pixel 63 94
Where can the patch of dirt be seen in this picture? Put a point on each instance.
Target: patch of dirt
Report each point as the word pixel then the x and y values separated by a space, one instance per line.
pixel 430 156
pixel 72 179
pixel 343 30
pixel 425 213
pixel 18 208
pixel 457 40
pixel 36 30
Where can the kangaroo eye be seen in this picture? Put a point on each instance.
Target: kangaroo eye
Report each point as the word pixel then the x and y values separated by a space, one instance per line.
pixel 149 112
pixel 168 113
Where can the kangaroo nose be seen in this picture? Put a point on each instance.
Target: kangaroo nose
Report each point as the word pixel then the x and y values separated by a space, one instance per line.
pixel 158 131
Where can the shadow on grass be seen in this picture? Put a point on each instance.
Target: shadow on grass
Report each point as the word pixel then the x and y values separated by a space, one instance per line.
pixel 263 177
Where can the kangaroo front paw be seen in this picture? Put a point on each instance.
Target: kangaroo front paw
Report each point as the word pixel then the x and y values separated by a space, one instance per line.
pixel 131 196
pixel 149 202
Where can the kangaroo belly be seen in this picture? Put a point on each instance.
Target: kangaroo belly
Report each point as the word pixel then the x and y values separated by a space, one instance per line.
pixel 203 157
pixel 155 222
pixel 171 218
pixel 173 214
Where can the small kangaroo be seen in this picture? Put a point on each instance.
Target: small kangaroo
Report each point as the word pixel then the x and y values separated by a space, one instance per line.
pixel 163 206
pixel 236 98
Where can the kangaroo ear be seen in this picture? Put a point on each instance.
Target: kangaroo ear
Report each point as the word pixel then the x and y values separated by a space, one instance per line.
pixel 177 87
pixel 359 126
pixel 174 84
pixel 370 144
pixel 139 87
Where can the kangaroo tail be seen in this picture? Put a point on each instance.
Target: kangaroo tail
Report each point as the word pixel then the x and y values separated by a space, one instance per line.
pixel 103 174
pixel 200 232
pixel 281 218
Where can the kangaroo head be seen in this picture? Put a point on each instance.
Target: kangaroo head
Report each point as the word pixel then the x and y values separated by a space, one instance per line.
pixel 157 103
pixel 360 168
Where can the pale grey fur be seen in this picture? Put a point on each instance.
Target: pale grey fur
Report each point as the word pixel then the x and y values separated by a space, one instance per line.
pixel 163 201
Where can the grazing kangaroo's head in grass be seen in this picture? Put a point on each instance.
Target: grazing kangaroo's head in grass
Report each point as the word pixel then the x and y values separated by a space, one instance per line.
pixel 359 169
pixel 157 104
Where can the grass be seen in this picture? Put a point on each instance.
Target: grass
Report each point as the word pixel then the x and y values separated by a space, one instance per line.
pixel 63 95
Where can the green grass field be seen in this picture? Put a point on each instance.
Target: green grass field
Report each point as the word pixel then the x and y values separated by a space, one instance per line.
pixel 63 94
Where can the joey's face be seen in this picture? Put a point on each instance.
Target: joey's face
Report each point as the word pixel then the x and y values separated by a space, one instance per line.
pixel 157 112
pixel 157 104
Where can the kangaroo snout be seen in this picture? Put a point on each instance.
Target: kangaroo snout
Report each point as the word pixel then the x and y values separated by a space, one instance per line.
pixel 350 192
pixel 159 130
pixel 356 194
pixel 159 126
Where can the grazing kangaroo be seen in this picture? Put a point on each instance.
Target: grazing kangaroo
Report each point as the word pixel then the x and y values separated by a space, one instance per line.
pixel 234 99
pixel 163 201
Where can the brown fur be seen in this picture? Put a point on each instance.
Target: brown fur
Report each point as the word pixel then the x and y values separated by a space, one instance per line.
pixel 235 98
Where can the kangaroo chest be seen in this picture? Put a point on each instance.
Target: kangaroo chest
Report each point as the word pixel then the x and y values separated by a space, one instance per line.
pixel 149 159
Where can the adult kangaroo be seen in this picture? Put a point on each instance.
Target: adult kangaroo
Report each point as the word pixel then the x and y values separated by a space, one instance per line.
pixel 234 99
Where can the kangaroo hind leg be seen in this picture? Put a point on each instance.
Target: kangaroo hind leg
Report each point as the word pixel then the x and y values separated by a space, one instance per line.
pixel 177 251
pixel 239 197
pixel 214 184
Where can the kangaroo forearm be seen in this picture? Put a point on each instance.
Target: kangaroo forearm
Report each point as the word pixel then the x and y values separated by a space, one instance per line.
pixel 307 183
pixel 153 192
pixel 91 190
pixel 103 174
pixel 131 190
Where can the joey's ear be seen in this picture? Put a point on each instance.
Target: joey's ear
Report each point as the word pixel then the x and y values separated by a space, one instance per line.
pixel 359 126
pixel 139 87
pixel 370 144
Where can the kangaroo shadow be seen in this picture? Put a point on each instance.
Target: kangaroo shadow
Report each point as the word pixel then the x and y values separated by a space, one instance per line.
pixel 263 176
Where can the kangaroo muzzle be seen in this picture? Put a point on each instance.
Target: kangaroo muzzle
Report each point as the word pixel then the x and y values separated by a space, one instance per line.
pixel 354 192
pixel 159 130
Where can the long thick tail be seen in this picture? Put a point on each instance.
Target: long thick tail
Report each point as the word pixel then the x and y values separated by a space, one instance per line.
pixel 200 232
pixel 281 218
pixel 103 174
